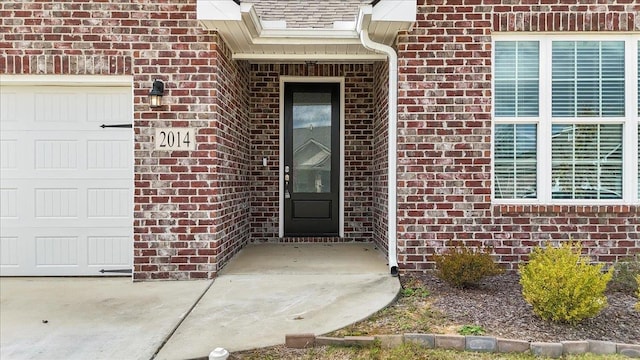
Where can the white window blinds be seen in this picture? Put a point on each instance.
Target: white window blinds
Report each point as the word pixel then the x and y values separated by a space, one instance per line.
pixel 517 79
pixel 588 78
pixel 587 161
pixel 515 161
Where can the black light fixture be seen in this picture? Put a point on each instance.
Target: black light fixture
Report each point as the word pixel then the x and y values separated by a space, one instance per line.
pixel 155 96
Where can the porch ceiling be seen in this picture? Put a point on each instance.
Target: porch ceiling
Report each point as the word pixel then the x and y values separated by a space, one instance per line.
pixel 252 38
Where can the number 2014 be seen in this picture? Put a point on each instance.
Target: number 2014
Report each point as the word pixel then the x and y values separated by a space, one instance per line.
pixel 174 139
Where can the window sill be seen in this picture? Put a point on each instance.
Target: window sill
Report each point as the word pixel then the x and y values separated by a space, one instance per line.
pixel 579 209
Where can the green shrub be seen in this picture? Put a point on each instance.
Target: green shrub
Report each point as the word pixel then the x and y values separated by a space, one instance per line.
pixel 624 275
pixel 562 286
pixel 471 330
pixel 464 267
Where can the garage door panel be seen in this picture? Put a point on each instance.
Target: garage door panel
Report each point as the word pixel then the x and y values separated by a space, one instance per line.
pixel 9 203
pixel 56 251
pixel 107 107
pixel 55 202
pixel 103 154
pixel 114 251
pixel 10 251
pixel 17 252
pixel 80 251
pixel 108 203
pixel 56 108
pixel 56 154
pixel 59 108
pixel 16 108
pixel 8 154
pixel 115 154
pixel 17 153
pixel 66 184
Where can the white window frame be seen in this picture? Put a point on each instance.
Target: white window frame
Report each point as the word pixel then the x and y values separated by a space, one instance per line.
pixel 544 121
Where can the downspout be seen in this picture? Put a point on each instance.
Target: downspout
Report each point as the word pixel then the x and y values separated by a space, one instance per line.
pixel 392 133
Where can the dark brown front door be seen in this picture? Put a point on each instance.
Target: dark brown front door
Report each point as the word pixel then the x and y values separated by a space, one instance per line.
pixel 312 159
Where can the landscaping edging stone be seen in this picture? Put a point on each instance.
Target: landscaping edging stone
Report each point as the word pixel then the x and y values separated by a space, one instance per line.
pixel 575 347
pixel 549 350
pixel 632 351
pixel 512 346
pixel 481 343
pixel 469 343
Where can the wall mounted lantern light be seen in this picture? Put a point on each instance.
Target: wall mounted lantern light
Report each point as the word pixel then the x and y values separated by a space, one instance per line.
pixel 155 96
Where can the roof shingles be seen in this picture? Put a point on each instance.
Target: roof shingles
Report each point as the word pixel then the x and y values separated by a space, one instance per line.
pixel 308 14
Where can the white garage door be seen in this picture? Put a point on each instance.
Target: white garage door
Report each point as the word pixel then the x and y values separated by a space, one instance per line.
pixel 66 183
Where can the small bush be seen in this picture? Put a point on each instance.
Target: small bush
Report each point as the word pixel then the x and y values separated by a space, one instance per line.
pixel 624 275
pixel 562 286
pixel 476 330
pixel 463 267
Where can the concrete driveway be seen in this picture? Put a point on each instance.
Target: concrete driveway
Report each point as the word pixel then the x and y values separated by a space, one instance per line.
pixel 90 318
pixel 265 292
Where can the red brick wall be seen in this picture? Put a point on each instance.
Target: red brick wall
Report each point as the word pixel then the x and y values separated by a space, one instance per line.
pixel 230 141
pixel 264 89
pixel 444 141
pixel 359 105
pixel 380 156
pixel 191 212
pixel 77 38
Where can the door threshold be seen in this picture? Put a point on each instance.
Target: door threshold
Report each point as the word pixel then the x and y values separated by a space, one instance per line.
pixel 313 239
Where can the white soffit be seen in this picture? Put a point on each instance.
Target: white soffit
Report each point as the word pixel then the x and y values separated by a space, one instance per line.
pixel 251 38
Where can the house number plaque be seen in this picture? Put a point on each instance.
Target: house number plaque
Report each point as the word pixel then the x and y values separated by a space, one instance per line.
pixel 175 139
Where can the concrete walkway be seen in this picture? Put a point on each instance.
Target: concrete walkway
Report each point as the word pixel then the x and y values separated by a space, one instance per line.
pixel 265 292
pixel 270 290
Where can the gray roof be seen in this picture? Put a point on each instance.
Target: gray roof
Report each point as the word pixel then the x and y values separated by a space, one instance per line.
pixel 319 14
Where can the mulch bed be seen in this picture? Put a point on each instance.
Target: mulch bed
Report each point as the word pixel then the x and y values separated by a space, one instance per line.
pixel 498 306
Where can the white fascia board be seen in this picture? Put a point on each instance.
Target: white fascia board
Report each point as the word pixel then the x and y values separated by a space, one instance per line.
pixel 297 57
pixel 395 10
pixel 251 20
pixel 364 17
pixel 217 10
pixel 315 34
pixel 300 41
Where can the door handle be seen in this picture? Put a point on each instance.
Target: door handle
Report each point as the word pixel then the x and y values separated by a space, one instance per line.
pixel 287 194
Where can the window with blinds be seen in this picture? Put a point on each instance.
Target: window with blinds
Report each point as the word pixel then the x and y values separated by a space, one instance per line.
pixel 587 81
pixel 517 79
pixel 562 135
pixel 517 94
pixel 587 78
pixel 586 161
pixel 515 161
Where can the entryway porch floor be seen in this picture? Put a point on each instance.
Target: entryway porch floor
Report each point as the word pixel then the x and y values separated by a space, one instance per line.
pixel 270 290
